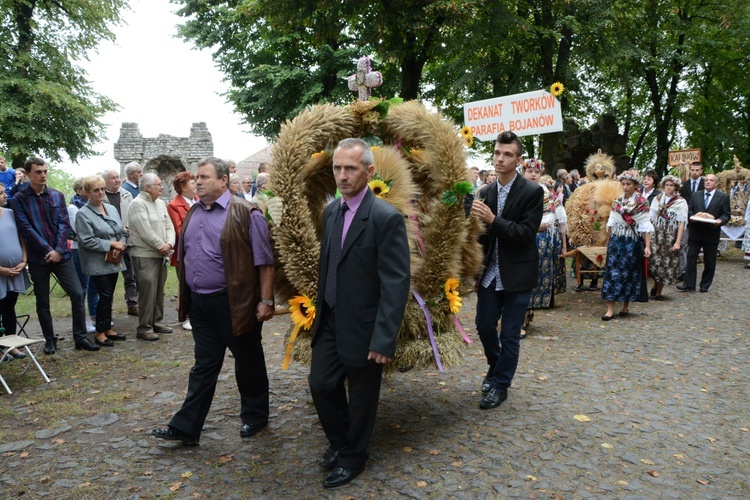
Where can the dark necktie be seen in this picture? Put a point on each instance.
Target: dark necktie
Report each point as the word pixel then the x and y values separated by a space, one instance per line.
pixel 708 197
pixel 334 254
pixel 695 183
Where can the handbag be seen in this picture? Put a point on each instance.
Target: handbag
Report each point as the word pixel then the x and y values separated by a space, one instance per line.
pixel 110 257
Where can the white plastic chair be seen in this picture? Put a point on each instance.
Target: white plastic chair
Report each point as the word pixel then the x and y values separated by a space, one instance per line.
pixel 10 342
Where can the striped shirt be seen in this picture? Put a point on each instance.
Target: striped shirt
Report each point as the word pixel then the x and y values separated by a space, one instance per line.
pixel 43 222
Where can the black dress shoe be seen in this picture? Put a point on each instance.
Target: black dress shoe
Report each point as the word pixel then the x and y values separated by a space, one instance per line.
pixel 330 457
pixel 171 434
pixel 683 288
pixel 606 318
pixel 486 385
pixel 623 314
pixel 104 343
pixel 341 476
pixel 704 290
pixel 86 345
pixel 116 336
pixel 248 430
pixel 50 346
pixel 493 398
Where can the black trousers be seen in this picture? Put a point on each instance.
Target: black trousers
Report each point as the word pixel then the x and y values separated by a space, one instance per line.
pixel 8 312
pixel 105 285
pixel 348 425
pixel 212 333
pixel 66 275
pixel 710 252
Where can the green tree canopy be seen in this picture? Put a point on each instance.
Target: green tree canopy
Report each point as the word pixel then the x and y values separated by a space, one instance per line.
pixel 673 72
pixel 48 106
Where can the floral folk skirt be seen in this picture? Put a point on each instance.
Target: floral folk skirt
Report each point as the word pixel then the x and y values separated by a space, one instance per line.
pixel 550 270
pixel 623 270
pixel 664 263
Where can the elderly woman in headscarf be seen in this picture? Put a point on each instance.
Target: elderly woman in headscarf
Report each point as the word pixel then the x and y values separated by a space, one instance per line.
pixel 629 229
pixel 551 243
pixel 669 214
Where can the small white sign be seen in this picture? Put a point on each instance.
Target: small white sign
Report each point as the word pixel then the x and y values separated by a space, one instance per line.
pixel 529 113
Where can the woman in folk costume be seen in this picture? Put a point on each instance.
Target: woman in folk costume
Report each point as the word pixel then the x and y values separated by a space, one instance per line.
pixel 551 243
pixel 669 214
pixel 624 271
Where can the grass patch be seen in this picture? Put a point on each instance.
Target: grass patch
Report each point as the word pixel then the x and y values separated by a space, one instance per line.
pixel 60 303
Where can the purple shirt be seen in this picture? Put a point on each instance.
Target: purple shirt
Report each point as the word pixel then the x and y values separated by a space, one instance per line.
pixel 204 266
pixel 352 204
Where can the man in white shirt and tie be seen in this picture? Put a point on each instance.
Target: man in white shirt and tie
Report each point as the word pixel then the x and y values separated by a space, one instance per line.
pixel 712 206
pixel 693 184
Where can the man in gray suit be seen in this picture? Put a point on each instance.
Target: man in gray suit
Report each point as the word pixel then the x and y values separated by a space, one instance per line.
pixel 713 206
pixel 363 286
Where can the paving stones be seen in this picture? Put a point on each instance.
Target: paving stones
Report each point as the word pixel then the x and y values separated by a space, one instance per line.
pixel 666 389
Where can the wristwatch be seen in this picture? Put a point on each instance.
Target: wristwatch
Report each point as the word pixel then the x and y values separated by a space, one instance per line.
pixel 267 302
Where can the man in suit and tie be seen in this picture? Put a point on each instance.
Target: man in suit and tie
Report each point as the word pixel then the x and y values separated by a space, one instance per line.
pixel 511 208
pixel 692 185
pixel 363 286
pixel 712 205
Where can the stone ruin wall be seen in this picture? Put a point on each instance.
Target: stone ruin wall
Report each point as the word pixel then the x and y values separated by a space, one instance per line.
pixel 164 155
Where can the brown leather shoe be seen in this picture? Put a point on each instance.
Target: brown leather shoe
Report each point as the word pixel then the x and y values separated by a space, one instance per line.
pixel 132 311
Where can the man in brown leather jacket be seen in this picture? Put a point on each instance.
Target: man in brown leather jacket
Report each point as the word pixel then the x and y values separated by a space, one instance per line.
pixel 226 278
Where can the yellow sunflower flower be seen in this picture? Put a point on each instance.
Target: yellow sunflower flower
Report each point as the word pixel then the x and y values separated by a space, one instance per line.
pixel 451 293
pixel 469 142
pixel 379 188
pixel 466 132
pixel 556 89
pixel 318 154
pixel 371 117
pixel 302 309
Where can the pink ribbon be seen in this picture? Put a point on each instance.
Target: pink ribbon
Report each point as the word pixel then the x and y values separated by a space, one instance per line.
pixel 428 318
pixel 461 329
pixel 417 233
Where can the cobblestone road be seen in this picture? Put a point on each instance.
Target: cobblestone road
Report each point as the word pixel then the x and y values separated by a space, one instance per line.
pixel 650 406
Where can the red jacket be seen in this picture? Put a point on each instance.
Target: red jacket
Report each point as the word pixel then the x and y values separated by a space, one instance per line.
pixel 177 209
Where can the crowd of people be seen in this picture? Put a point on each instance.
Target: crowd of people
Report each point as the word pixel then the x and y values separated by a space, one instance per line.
pixel 216 237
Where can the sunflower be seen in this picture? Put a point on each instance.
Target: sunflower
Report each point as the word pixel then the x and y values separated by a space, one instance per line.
pixel 556 89
pixel 469 142
pixel 451 293
pixel 371 117
pixel 379 187
pixel 466 132
pixel 302 309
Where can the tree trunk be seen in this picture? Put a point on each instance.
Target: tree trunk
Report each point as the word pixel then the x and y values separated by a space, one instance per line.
pixel 411 75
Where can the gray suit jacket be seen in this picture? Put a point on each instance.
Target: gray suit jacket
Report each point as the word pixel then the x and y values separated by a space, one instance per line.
pixel 373 280
pixel 95 232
